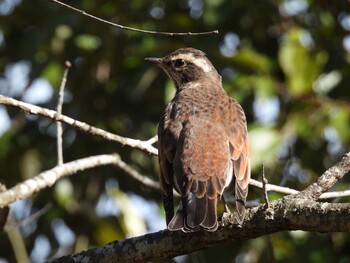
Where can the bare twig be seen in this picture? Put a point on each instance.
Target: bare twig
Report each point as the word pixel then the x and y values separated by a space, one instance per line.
pixel 264 183
pixel 36 110
pixel 144 180
pixel 273 188
pixel 136 175
pixel 335 194
pixel 33 217
pixel 290 191
pixel 131 28
pixel 59 112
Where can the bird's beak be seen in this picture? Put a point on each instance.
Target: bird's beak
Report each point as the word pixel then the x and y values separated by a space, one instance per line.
pixel 155 60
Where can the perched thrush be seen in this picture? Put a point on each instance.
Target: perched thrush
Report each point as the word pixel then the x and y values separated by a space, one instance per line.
pixel 203 143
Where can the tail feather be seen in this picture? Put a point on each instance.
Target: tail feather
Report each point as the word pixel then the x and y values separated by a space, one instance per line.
pixel 211 223
pixel 195 213
pixel 177 222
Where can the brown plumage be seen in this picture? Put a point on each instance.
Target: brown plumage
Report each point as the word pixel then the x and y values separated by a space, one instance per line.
pixel 203 143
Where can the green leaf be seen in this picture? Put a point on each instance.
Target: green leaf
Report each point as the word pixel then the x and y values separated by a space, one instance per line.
pixel 252 60
pixel 88 42
pixel 340 120
pixel 53 73
pixel 300 65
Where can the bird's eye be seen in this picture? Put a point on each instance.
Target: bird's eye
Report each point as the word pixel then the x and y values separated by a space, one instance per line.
pixel 179 63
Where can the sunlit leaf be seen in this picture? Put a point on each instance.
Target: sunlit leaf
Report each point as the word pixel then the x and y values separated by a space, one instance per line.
pixel 252 60
pixel 87 42
pixel 53 73
pixel 340 119
pixel 301 66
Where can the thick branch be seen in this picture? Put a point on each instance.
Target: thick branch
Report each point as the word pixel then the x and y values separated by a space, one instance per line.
pixel 36 110
pixel 327 179
pixel 288 214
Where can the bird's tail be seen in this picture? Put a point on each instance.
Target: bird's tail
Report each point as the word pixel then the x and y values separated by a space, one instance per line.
pixel 195 213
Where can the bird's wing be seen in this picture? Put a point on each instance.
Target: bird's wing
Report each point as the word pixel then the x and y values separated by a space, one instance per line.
pixel 236 128
pixel 166 173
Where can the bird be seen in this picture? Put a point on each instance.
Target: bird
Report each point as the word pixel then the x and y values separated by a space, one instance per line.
pixel 203 144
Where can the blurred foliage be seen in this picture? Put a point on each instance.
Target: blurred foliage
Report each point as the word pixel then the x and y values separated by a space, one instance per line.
pixel 286 62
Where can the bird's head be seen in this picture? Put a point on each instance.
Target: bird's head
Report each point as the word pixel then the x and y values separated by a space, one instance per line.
pixel 186 65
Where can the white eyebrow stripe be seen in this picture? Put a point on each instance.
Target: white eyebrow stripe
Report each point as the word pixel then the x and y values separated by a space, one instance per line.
pixel 199 62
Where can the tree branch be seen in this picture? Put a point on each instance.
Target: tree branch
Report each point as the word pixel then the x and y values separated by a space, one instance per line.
pixel 144 180
pixel 289 214
pixel 4 212
pixel 59 112
pixel 48 178
pixel 36 110
pixel 327 179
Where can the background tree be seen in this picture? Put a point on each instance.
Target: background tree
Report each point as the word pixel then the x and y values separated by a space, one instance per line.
pixel 286 62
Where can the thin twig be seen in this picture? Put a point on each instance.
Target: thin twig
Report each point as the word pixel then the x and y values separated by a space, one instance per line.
pixel 131 28
pixel 143 179
pixel 59 112
pixel 33 217
pixel 269 211
pixel 273 188
pixel 290 191
pixel 136 175
pixel 264 183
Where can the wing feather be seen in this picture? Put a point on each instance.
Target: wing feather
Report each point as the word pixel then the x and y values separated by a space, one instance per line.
pixel 239 149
